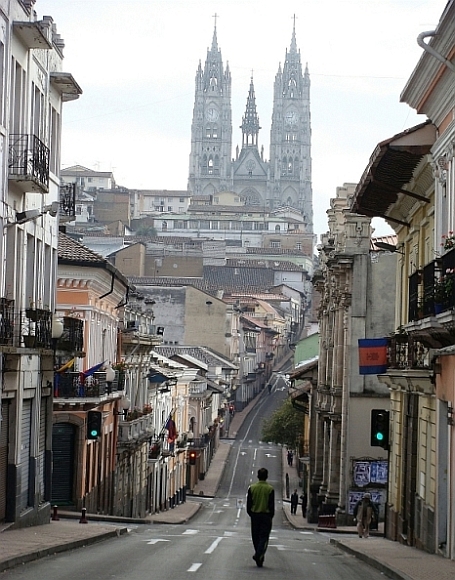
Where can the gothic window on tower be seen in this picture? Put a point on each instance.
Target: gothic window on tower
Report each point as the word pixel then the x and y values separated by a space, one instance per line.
pixel 284 166
pixel 210 165
pixel 204 165
pixel 216 168
pixel 290 166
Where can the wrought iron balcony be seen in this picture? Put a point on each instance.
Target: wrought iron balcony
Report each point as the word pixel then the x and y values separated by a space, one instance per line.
pixel 69 386
pixel 432 290
pixel 67 200
pixel 407 353
pixel 28 163
pixel 72 339
pixel 6 322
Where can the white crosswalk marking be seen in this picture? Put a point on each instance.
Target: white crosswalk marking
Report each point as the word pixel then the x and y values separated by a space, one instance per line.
pixel 214 544
pixel 156 541
pixel 194 567
pixel 190 532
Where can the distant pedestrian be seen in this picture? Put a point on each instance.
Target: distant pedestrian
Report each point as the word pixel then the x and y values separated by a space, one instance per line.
pixel 287 485
pixel 290 458
pixel 304 499
pixel 260 506
pixel 294 502
pixel 364 513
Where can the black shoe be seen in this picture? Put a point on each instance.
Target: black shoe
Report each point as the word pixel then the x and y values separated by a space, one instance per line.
pixel 259 560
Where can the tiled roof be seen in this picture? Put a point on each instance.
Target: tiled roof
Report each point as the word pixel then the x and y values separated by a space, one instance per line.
pixel 70 250
pixel 274 265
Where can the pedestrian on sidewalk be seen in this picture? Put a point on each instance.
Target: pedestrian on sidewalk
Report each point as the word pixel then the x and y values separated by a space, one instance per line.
pixel 290 458
pixel 287 485
pixel 260 506
pixel 364 513
pixel 294 502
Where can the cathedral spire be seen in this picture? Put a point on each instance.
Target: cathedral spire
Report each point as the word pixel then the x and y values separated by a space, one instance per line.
pixel 214 39
pixel 293 39
pixel 250 121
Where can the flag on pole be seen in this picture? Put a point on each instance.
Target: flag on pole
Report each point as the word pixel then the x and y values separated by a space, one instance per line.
pixel 84 374
pixel 372 356
pixel 66 366
pixel 171 431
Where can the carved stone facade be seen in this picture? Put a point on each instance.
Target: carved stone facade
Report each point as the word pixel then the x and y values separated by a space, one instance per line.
pixel 355 303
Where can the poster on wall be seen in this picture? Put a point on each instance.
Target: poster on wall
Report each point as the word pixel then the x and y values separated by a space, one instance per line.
pixel 366 472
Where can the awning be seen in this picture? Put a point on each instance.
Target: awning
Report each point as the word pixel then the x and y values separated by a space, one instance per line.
pixel 391 167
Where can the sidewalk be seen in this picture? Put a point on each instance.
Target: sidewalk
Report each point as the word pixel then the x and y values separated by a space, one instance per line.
pixel 393 559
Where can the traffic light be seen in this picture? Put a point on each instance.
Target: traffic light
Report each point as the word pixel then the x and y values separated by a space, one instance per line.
pixel 379 428
pixel 192 456
pixel 94 424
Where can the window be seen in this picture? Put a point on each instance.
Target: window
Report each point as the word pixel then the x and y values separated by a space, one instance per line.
pixel 169 208
pixel 298 246
pixel 277 228
pixel 275 244
pixel 90 179
pixel 182 200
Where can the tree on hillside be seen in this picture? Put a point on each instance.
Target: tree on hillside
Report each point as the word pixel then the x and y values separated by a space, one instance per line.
pixel 284 427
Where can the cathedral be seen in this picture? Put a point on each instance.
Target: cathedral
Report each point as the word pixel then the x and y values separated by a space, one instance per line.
pixel 284 179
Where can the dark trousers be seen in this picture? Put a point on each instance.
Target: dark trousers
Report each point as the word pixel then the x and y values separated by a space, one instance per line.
pixel 261 526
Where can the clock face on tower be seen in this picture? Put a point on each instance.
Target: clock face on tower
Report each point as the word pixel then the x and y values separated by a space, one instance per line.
pixel 211 114
pixel 291 118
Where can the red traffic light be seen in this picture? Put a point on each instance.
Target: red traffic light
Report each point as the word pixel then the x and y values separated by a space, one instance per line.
pixel 192 456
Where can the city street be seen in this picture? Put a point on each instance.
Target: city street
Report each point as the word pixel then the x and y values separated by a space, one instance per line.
pixel 216 543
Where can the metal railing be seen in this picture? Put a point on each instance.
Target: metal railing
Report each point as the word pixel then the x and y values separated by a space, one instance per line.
pixel 29 158
pixel 71 386
pixel 406 353
pixel 425 297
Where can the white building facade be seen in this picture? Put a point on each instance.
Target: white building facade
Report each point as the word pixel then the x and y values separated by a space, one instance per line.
pixel 32 92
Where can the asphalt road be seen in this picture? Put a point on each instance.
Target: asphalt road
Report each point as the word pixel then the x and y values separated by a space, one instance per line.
pixel 216 545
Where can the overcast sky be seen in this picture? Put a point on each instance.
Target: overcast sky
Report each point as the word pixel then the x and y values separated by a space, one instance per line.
pixel 136 61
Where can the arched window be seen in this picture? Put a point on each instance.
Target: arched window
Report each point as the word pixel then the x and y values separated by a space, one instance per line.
pixel 284 166
pixel 204 165
pixel 277 228
pixel 210 165
pixel 290 166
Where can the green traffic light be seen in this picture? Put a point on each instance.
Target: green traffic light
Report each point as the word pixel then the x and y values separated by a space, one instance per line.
pixel 94 433
pixel 379 436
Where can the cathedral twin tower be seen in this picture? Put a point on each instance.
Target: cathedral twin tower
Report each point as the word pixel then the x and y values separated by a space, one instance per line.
pixel 284 180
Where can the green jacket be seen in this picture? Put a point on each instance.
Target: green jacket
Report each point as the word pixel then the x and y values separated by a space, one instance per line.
pixel 260 499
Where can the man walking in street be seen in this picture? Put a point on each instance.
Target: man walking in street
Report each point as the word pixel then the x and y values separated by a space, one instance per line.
pixel 260 506
pixel 365 512
pixel 294 502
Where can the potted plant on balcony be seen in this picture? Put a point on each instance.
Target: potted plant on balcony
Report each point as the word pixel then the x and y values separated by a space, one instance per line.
pixel 448 241
pixel 443 290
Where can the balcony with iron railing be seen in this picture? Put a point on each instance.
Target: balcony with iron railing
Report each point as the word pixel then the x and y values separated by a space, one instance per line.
pixel 67 202
pixel 431 308
pixel 28 163
pixel 31 328
pixel 71 385
pixel 72 338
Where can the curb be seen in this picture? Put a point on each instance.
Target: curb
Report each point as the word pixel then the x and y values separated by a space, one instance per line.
pixel 39 554
pixel 373 562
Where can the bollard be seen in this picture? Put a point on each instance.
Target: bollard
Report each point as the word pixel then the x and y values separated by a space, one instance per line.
pixel 55 517
pixel 83 519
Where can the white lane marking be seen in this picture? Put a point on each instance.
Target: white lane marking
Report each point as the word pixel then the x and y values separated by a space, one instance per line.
pixel 243 453
pixel 190 531
pixel 279 547
pixel 269 455
pixel 229 534
pixel 307 533
pixel 211 548
pixel 194 567
pixel 152 542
